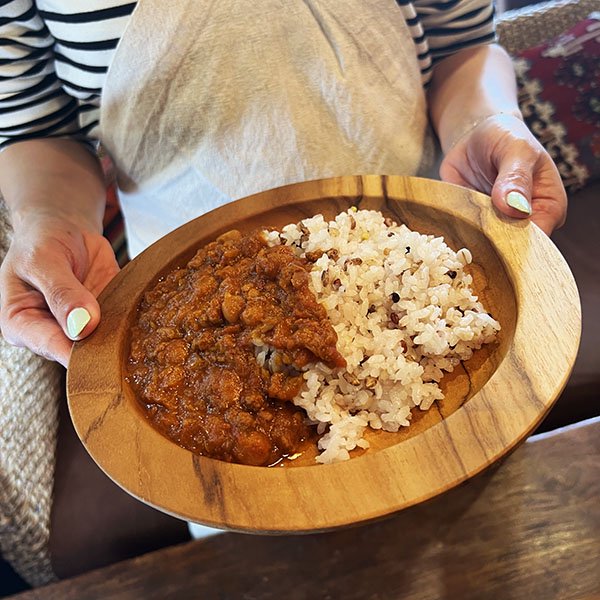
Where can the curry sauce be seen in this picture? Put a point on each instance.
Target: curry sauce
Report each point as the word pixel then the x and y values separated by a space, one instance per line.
pixel 193 354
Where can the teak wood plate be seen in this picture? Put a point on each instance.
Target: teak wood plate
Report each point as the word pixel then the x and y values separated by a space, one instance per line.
pixel 491 404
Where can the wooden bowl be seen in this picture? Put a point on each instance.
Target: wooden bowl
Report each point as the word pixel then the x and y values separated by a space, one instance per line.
pixel 491 404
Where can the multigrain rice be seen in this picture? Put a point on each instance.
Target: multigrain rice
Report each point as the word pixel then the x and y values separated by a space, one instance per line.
pixel 404 312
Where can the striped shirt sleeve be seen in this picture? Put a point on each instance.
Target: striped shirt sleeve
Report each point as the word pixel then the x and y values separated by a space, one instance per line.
pixel 32 101
pixel 451 25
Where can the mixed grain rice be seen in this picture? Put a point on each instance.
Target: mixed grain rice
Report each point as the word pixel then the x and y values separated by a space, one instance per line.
pixel 404 312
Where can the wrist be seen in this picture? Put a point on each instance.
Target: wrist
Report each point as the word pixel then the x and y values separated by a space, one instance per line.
pixel 462 130
pixel 67 183
pixel 47 216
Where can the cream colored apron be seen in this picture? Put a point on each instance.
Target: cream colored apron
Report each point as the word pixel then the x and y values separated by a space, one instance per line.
pixel 208 101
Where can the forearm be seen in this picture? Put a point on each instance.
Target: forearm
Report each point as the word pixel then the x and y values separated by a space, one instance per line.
pixel 53 177
pixel 469 86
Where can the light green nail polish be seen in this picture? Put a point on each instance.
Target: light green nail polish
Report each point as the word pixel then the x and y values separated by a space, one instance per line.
pixel 519 202
pixel 77 319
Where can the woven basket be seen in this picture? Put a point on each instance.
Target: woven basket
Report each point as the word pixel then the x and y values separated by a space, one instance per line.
pixel 531 26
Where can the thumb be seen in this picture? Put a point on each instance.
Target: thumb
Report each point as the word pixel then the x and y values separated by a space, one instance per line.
pixel 74 307
pixel 511 192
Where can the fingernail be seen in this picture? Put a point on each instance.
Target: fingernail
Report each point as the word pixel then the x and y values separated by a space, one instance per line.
pixel 77 319
pixel 519 202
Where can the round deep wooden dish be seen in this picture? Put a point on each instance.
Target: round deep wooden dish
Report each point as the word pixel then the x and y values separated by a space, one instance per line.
pixel 492 403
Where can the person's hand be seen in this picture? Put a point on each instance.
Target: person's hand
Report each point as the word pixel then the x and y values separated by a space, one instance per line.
pixel 501 157
pixel 49 281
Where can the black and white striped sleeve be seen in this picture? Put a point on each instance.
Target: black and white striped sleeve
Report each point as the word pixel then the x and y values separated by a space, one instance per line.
pixel 451 25
pixel 32 101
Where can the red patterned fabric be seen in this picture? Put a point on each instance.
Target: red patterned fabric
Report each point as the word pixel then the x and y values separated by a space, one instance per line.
pixel 559 95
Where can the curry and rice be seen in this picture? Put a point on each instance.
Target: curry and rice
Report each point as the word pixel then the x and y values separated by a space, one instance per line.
pixel 336 326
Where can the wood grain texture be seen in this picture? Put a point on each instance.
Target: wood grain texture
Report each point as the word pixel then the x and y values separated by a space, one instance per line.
pixel 520 277
pixel 528 529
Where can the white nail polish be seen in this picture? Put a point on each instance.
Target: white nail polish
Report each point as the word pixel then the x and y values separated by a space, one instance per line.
pixel 77 319
pixel 517 201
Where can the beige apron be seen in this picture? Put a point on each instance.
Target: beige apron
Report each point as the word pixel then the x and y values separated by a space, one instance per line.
pixel 208 101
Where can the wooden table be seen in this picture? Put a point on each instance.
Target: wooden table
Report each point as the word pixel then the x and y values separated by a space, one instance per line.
pixel 529 529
